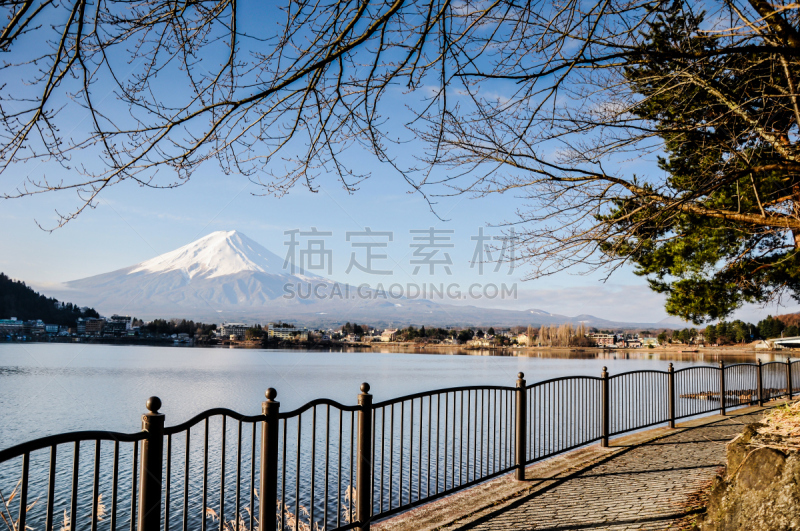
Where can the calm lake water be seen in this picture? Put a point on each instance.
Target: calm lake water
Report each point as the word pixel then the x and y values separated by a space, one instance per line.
pixel 53 388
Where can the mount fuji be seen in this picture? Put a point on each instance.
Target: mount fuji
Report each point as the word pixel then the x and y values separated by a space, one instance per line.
pixel 226 276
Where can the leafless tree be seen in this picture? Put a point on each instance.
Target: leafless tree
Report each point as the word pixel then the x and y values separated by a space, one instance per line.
pixel 549 101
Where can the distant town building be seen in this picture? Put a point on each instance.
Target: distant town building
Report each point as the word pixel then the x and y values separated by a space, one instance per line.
pixel 93 326
pixel 390 334
pixel 648 341
pixel 480 342
pixel 233 331
pixel 35 327
pixel 287 333
pixel 603 340
pixel 11 327
pixel 118 325
pixel 523 339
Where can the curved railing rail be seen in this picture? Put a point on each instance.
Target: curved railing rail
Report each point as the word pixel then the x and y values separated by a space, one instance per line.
pixel 331 466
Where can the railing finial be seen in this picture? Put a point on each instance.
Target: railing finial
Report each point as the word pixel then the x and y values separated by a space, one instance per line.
pixel 271 394
pixel 520 375
pixel 365 387
pixel 153 404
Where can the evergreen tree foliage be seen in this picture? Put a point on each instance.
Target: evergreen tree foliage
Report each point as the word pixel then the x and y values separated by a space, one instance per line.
pixel 20 301
pixel 770 327
pixel 731 173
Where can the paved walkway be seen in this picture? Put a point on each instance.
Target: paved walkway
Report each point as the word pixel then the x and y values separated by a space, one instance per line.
pixel 646 486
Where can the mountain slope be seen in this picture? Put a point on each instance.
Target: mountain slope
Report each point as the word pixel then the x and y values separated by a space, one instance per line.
pixel 226 276
pixel 20 301
pixel 219 254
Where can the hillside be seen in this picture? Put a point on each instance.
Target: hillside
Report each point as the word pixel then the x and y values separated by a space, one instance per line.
pixel 20 301
pixel 789 319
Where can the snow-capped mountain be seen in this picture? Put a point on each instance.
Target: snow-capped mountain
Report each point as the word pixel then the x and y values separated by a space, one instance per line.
pixel 226 276
pixel 219 254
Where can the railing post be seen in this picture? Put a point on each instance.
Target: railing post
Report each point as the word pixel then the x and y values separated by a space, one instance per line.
pixel 671 395
pixel 605 410
pixel 152 454
pixel 789 378
pixel 364 459
pixel 759 384
pixel 722 390
pixel 268 480
pixel 522 428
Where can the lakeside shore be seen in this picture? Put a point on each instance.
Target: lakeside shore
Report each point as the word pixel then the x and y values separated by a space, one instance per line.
pixel 727 354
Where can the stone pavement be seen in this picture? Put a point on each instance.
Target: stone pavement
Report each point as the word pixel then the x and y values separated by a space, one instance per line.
pixel 646 480
pixel 646 486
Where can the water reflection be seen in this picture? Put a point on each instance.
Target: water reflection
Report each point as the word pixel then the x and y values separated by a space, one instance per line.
pixel 710 355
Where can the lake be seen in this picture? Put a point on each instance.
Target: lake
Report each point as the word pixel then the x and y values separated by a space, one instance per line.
pixel 53 388
pixel 48 388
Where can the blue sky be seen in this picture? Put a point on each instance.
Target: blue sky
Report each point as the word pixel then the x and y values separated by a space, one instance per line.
pixel 131 224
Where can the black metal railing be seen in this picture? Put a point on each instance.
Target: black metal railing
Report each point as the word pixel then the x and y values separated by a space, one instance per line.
pixel 332 466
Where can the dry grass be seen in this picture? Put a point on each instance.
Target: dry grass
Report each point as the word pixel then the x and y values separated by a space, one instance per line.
pixel 300 521
pixel 5 510
pixel 783 422
pixel 13 525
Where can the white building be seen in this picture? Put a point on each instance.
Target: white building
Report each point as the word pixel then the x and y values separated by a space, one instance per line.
pixel 292 333
pixel 480 342
pixel 234 331
pixel 523 339
pixel 390 334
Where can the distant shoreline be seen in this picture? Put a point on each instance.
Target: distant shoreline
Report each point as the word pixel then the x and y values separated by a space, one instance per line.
pixel 673 351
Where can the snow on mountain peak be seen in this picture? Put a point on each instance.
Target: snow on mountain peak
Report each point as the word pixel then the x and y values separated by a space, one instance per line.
pixel 219 254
